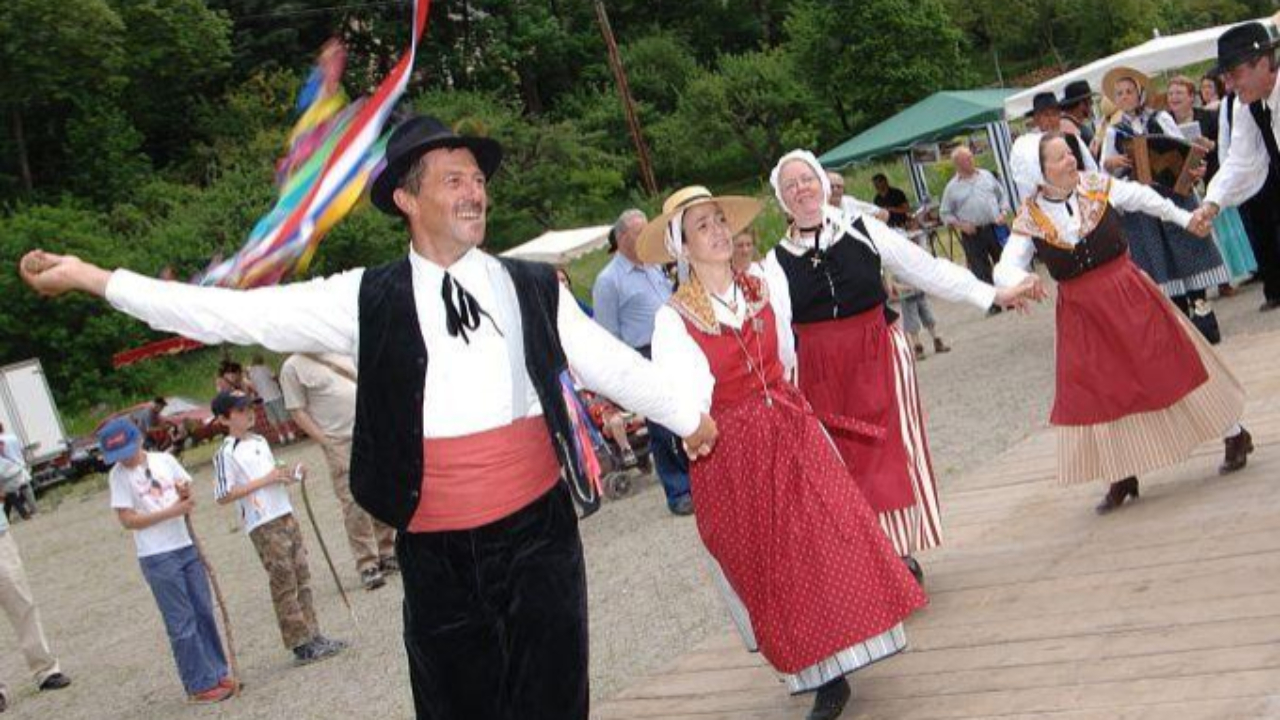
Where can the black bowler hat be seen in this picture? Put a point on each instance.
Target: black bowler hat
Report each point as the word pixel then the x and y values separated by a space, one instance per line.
pixel 418 135
pixel 1076 91
pixel 1043 101
pixel 1241 43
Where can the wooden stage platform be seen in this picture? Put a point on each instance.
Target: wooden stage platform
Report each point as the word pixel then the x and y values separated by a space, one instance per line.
pixel 1168 609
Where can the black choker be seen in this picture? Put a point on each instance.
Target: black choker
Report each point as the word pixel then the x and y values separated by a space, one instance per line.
pixel 814 229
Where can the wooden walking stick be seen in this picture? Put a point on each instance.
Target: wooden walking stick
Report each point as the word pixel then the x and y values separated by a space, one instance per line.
pixel 184 492
pixel 300 475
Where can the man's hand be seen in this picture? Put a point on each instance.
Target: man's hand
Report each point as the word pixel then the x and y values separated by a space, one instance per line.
pixel 52 275
pixel 703 440
pixel 1202 219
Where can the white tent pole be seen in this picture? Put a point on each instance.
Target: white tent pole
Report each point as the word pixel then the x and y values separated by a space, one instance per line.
pixel 916 173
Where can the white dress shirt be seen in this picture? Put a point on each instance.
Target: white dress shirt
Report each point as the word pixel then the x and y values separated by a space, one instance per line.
pixel 470 387
pixel 898 255
pixel 1125 196
pixel 1244 170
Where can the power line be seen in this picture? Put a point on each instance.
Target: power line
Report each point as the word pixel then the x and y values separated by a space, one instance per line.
pixel 317 11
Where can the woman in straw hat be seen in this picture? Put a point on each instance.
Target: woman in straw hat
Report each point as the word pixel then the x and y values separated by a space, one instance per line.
pixel 826 276
pixel 1137 387
pixel 1182 265
pixel 812 580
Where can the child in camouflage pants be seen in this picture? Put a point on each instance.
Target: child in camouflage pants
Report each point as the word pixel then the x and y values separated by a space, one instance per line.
pixel 246 472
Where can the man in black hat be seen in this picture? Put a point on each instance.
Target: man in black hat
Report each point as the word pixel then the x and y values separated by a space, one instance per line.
pixel 1246 56
pixel 1077 112
pixel 462 432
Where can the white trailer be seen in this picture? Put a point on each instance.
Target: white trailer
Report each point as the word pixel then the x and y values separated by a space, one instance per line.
pixel 28 410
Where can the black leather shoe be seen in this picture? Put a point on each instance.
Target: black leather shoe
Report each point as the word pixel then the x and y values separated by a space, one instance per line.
pixel 1117 494
pixel 916 571
pixel 1238 447
pixel 683 506
pixel 56 681
pixel 1269 305
pixel 830 700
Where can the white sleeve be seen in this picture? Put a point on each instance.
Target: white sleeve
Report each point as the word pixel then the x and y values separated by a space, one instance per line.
pixel 121 496
pixel 1169 125
pixel 604 365
pixel 1109 148
pixel 1015 260
pixel 315 316
pixel 681 362
pixel 1244 172
pixel 916 267
pixel 1224 130
pixel 780 298
pixel 1136 197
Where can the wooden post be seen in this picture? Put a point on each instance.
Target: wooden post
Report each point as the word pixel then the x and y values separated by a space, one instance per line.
pixel 628 105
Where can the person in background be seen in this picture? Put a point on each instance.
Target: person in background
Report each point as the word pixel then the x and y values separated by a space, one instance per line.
pixel 151 495
pixel 1211 92
pixel 850 204
pixel 893 200
pixel 1077 116
pixel 15 591
pixel 626 297
pixel 20 496
pixel 267 385
pixel 974 203
pixel 745 254
pixel 320 394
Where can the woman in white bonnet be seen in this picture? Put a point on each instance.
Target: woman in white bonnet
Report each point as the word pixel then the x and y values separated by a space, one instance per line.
pixel 851 357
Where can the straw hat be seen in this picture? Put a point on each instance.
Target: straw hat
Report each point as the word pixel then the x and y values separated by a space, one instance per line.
pixel 1116 74
pixel 739 211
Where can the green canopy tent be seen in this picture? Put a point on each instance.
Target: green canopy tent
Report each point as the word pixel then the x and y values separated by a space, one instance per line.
pixel 937 117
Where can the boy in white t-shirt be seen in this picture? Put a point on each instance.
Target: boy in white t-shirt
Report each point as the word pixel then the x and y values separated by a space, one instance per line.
pixel 245 472
pixel 150 493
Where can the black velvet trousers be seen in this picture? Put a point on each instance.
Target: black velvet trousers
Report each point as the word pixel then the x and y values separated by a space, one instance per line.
pixel 495 618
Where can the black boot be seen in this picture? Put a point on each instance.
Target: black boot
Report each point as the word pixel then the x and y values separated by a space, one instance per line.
pixel 1117 494
pixel 1238 447
pixel 830 700
pixel 916 571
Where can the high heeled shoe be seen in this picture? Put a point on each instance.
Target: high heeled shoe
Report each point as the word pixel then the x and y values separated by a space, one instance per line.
pixel 1117 494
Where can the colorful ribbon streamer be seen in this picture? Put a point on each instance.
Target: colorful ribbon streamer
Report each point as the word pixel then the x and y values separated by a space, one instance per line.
pixel 334 154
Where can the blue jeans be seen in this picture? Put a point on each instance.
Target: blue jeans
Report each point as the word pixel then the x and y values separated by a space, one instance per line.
pixel 181 588
pixel 669 461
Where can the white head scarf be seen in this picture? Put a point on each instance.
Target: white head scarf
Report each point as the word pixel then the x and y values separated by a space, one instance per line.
pixel 674 242
pixel 807 158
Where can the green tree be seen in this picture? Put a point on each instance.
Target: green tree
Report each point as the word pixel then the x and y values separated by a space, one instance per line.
pixel 871 58
pixel 176 53
pixel 52 57
pixel 109 162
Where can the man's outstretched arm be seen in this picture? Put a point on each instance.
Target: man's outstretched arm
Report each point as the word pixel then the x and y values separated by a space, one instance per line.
pixel 315 316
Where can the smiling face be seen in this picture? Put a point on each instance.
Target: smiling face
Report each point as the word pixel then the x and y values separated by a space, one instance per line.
pixel 708 239
pixel 448 208
pixel 1179 99
pixel 1059 164
pixel 1253 80
pixel 801 192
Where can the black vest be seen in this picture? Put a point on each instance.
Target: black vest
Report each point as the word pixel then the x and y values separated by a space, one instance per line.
pixel 1103 244
pixel 842 281
pixel 387 454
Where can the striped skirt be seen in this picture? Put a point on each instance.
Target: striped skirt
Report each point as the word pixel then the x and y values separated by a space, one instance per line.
pixel 1133 443
pixel 862 367
pixel 848 660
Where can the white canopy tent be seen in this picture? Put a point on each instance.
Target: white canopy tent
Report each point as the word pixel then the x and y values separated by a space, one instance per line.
pixel 559 247
pixel 1154 56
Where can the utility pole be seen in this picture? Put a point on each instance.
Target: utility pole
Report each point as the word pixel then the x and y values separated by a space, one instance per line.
pixel 628 105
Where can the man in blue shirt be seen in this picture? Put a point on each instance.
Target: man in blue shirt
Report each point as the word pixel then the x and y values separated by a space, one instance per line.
pixel 627 295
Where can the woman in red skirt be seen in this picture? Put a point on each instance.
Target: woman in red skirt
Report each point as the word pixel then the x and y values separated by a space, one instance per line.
pixel 820 584
pixel 1138 388
pixel 853 360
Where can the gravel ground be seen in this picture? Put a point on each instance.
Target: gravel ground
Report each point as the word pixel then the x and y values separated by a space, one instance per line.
pixel 650 597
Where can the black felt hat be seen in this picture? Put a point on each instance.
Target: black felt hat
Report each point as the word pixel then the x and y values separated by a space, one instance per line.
pixel 1043 101
pixel 413 138
pixel 1075 91
pixel 1241 43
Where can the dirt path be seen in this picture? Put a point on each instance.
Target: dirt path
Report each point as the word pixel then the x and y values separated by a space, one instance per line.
pixel 650 598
